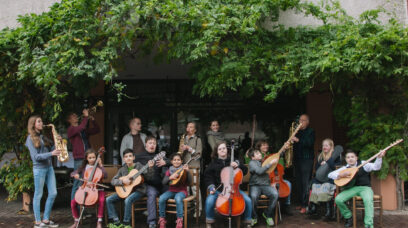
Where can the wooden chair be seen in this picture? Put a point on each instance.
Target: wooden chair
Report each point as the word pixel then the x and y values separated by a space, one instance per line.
pixel 358 204
pixel 111 170
pixel 191 202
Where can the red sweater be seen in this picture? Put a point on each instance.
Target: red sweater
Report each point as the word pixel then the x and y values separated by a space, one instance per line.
pixel 74 136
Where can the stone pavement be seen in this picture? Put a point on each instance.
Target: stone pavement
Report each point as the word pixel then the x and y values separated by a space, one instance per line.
pixel 62 215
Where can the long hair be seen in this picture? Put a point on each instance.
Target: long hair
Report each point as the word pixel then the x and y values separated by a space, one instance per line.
pixel 35 137
pixel 259 144
pixel 85 161
pixel 323 155
pixel 214 153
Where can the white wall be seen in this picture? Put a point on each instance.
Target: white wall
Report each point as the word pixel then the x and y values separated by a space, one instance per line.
pixel 397 8
pixel 10 9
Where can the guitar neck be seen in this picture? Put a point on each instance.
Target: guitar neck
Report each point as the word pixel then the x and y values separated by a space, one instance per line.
pixel 140 171
pixel 377 154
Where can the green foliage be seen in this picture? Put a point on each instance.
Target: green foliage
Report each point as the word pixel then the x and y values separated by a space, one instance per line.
pixel 17 176
pixel 228 45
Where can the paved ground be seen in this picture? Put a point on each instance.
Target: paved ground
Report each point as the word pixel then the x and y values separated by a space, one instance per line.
pixel 62 215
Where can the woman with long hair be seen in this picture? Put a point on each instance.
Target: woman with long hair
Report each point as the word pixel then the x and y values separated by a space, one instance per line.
pixel 41 153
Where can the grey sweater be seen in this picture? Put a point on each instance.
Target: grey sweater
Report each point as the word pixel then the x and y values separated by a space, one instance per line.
pixel 40 156
pixel 123 171
pixel 259 176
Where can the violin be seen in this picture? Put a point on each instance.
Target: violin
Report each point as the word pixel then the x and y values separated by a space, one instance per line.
pixel 87 193
pixel 230 201
pixel 276 177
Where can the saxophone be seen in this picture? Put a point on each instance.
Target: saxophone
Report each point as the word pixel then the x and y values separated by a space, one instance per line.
pixel 180 150
pixel 60 144
pixel 289 152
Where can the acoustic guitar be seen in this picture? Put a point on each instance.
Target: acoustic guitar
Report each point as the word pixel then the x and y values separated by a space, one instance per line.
pixel 182 178
pixel 353 171
pixel 277 155
pixel 135 178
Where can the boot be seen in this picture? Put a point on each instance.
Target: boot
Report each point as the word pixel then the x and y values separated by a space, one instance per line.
pixel 162 222
pixel 99 224
pixel 312 209
pixel 179 223
pixel 329 211
pixel 349 222
pixel 208 225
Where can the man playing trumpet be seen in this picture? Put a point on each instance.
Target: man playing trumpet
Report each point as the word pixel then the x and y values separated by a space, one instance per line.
pixel 78 135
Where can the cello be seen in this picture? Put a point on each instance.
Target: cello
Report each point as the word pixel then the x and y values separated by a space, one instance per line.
pixel 230 202
pixel 87 193
pixel 276 177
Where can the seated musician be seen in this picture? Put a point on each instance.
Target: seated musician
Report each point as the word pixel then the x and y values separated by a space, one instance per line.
pixel 263 147
pixel 89 162
pixel 212 180
pixel 260 183
pixel 323 187
pixel 153 182
pixel 175 192
pixel 359 186
pixel 140 190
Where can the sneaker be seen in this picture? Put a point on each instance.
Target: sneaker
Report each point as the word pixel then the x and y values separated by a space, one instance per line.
pixel 162 222
pixel 74 225
pixel 302 210
pixel 152 226
pixel 268 220
pixel 179 223
pixel 254 221
pixel 51 224
pixel 41 225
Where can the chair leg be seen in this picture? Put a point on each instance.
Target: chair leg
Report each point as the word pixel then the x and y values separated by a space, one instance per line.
pixel 238 221
pixel 277 211
pixel 133 215
pixel 185 214
pixel 381 212
pixel 354 213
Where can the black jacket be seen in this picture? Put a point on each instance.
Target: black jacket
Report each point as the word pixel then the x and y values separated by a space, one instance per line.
pixel 155 179
pixel 213 171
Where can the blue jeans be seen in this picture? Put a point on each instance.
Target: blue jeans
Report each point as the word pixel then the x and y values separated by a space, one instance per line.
pixel 152 193
pixel 178 196
pixel 111 200
pixel 75 186
pixel 210 204
pixel 44 176
pixel 256 190
pixel 287 202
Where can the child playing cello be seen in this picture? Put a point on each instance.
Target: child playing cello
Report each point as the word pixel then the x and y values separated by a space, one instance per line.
pixel 89 162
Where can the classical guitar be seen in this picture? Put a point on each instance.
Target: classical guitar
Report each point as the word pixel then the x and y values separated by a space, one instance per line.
pixel 277 155
pixel 182 178
pixel 345 180
pixel 135 178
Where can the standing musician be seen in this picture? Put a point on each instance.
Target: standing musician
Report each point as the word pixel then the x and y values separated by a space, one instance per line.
pixel 192 145
pixel 135 139
pixel 78 135
pixel 359 186
pixel 214 135
pixel 88 163
pixel 140 190
pixel 263 147
pixel 42 170
pixel 212 180
pixel 303 159
pixel 153 182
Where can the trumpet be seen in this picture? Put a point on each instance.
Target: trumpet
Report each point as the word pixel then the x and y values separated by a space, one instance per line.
pixel 93 109
pixel 60 144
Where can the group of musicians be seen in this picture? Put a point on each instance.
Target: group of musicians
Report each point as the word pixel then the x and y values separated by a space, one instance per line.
pixel 138 153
